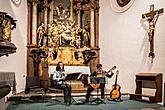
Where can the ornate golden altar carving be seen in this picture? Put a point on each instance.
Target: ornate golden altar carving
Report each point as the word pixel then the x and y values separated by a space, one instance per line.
pixel 70 31
pixel 69 55
pixel 7 24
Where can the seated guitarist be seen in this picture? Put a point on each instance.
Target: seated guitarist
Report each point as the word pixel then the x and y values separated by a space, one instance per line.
pixel 101 86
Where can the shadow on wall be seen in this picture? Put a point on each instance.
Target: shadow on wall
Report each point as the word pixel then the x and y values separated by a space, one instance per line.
pixel 145 47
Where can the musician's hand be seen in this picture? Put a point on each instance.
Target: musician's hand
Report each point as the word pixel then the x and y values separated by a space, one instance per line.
pixel 157 13
pixel 63 78
pixel 50 75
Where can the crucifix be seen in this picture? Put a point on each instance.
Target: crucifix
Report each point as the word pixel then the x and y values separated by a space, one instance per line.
pixel 152 18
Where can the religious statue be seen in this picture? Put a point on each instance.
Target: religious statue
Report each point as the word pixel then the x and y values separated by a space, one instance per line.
pixel 152 23
pixel 85 38
pixel 76 37
pixel 7 24
pixel 84 54
pixel 66 35
pixel 7 31
pixel 61 12
pixel 69 40
pixel 55 34
pixel 41 33
pixel 152 18
pixel 50 29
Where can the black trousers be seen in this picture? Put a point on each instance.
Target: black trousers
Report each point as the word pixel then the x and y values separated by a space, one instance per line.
pixel 90 89
pixel 67 91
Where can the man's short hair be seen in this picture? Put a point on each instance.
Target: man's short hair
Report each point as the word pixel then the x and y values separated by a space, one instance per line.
pixel 98 65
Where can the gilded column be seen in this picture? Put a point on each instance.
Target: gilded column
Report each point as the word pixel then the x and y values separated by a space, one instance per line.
pixel 46 14
pixel 92 25
pixel 29 38
pixel 71 9
pixel 45 41
pixel 97 26
pixel 34 22
pixel 51 5
pixel 79 15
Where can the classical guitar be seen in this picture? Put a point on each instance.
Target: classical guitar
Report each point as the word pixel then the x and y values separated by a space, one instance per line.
pixel 115 92
pixel 103 74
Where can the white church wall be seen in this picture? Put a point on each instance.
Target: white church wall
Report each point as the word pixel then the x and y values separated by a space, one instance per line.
pixel 124 42
pixel 16 62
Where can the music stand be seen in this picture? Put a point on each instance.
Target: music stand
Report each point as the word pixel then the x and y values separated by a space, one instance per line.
pixel 97 80
pixel 72 76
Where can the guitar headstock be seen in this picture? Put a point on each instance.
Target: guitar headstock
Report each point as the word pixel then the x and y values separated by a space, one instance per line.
pixel 111 70
pixel 117 72
pixel 114 67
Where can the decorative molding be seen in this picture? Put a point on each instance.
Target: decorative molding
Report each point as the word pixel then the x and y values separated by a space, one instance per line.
pixel 121 5
pixel 16 2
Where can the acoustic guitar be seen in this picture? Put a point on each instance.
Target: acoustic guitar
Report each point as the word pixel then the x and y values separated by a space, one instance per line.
pixel 103 74
pixel 115 92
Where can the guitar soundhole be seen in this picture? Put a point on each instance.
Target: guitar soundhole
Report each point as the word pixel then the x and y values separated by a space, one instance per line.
pixel 123 3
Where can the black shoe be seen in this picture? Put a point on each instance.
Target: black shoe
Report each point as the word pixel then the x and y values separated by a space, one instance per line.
pixel 102 97
pixel 86 101
pixel 67 103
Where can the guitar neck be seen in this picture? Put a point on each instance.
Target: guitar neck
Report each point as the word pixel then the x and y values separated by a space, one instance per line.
pixel 117 72
pixel 116 81
pixel 114 67
pixel 104 73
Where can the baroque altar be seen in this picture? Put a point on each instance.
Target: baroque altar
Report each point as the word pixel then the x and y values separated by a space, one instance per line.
pixel 62 30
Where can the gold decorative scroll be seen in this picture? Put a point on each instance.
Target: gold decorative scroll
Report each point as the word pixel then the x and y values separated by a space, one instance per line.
pixel 66 55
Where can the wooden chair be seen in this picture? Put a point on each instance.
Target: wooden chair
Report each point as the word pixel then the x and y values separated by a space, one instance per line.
pixel 51 87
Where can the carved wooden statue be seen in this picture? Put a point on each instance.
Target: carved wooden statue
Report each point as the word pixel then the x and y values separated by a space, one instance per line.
pixel 41 33
pixel 7 24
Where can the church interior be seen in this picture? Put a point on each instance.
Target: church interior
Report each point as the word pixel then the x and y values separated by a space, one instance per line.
pixel 83 35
